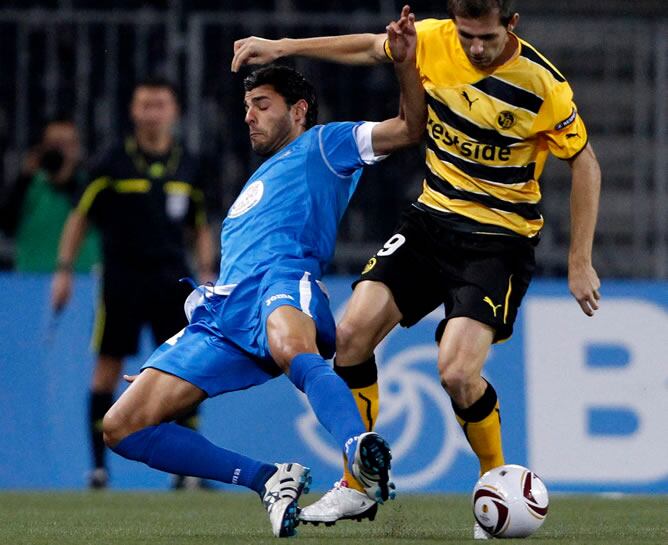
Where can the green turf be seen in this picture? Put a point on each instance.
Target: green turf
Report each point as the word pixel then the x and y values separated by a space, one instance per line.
pixel 219 518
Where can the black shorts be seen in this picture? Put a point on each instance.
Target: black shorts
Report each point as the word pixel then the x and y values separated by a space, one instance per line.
pixel 427 263
pixel 132 299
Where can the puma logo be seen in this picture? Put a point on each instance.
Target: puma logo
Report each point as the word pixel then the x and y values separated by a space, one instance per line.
pixel 468 99
pixel 491 304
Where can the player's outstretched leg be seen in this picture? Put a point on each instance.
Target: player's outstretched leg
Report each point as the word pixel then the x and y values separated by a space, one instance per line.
pixel 179 450
pixel 280 495
pixel 370 461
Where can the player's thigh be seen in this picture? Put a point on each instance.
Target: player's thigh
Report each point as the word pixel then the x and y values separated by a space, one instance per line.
pixel 407 266
pixel 369 316
pixel 290 332
pixel 154 397
pixel 463 349
pixel 295 311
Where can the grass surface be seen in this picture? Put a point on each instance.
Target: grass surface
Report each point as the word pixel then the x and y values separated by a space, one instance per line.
pixel 220 518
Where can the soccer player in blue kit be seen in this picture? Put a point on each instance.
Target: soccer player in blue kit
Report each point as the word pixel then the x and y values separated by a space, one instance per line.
pixel 268 312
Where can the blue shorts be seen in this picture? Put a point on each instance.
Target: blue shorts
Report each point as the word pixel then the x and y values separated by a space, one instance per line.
pixel 225 347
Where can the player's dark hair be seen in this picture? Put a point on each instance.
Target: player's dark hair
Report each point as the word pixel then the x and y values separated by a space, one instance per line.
pixel 157 82
pixel 474 9
pixel 288 83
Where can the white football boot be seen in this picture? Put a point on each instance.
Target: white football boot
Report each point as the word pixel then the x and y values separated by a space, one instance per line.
pixel 369 460
pixel 280 495
pixel 340 503
pixel 479 533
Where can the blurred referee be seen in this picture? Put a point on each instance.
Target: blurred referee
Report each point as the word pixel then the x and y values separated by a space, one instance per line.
pixel 147 200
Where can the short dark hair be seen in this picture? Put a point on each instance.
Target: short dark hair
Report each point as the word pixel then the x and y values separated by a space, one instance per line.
pixel 157 82
pixel 288 83
pixel 475 9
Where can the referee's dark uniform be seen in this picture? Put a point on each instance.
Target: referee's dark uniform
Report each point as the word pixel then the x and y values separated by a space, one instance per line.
pixel 143 206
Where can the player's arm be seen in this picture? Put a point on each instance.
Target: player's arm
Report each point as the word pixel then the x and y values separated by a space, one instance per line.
pixel 204 253
pixel 73 234
pixel 407 128
pixel 364 49
pixel 583 281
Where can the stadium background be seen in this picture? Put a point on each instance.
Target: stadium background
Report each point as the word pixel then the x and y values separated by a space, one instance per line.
pixel 84 56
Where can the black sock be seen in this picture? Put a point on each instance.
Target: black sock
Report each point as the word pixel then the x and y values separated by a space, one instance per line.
pixel 358 376
pixel 98 405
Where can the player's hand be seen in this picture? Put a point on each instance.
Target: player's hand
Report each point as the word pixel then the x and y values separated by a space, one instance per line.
pixel 130 378
pixel 61 290
pixel 254 50
pixel 402 36
pixel 584 284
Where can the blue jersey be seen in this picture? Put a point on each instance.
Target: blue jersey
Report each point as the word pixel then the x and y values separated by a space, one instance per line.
pixel 290 208
pixel 276 241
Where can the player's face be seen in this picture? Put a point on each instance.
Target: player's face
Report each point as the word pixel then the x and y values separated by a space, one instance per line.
pixel 271 122
pixel 484 40
pixel 154 109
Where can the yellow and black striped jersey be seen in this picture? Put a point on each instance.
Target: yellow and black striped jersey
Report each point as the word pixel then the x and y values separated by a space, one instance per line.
pixel 490 132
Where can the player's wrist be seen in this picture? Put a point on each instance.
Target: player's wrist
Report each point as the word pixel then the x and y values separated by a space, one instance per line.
pixel 64 266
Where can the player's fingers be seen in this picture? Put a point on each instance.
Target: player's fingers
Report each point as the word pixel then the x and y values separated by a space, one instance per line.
pixel 239 43
pixel 405 10
pixel 239 59
pixel 593 301
pixel 394 27
pixel 584 305
pixel 130 378
pixel 597 294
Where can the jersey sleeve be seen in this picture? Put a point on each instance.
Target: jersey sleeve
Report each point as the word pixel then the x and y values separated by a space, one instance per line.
pixel 346 147
pixel 89 196
pixel 560 125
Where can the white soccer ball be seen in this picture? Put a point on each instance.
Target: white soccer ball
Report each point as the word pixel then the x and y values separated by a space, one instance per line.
pixel 510 501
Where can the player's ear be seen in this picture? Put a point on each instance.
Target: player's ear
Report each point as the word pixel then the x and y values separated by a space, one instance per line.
pixel 512 24
pixel 300 109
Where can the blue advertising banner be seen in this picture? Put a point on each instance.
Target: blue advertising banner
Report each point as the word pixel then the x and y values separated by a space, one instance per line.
pixel 583 400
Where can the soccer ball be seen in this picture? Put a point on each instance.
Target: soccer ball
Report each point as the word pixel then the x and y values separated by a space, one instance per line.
pixel 510 501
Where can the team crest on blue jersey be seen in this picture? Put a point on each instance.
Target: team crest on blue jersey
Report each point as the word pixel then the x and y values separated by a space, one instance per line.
pixel 247 200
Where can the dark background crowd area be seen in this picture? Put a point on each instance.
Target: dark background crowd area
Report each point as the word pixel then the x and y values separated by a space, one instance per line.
pixel 82 57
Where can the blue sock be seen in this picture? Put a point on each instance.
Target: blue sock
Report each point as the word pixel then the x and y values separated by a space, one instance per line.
pixel 182 451
pixel 330 398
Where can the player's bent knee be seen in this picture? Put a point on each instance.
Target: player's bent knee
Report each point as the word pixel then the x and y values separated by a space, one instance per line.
pixel 114 429
pixel 352 345
pixel 457 379
pixel 285 348
pixel 116 426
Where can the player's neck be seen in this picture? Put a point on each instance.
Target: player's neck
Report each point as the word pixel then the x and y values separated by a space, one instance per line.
pixel 154 143
pixel 289 139
pixel 511 47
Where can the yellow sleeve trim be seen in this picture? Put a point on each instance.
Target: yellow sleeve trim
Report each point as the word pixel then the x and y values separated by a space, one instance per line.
pixel 91 193
pixel 132 186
